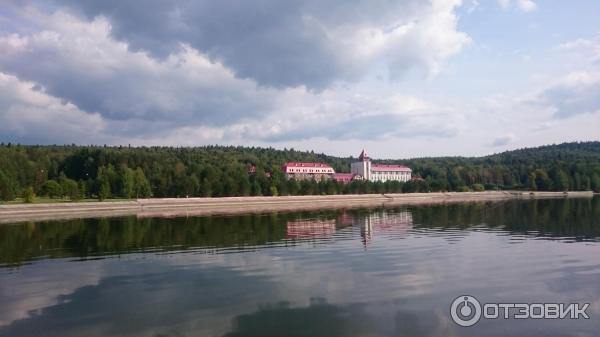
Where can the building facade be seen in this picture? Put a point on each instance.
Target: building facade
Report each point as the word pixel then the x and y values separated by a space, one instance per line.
pixel 363 169
pixel 379 172
pixel 303 171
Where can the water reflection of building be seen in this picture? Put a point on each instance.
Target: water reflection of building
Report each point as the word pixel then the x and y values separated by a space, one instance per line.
pixel 308 228
pixel 384 221
pixel 390 222
pixel 346 219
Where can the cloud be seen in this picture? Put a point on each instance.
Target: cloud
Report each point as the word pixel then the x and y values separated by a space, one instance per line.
pixel 577 93
pixel 28 114
pixel 503 140
pixel 332 116
pixel 522 5
pixel 289 43
pixel 336 116
pixel 577 44
pixel 185 97
pixel 543 126
pixel 474 5
pixel 526 5
pixel 78 62
pixel 588 49
pixel 504 3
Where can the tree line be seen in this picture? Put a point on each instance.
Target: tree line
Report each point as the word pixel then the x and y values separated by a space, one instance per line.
pixel 103 172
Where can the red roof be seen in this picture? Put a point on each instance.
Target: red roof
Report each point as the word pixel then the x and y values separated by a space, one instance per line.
pixel 298 164
pixel 384 167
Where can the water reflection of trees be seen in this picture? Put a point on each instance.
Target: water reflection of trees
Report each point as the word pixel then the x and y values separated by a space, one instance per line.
pixel 569 218
pixel 88 237
pixel 96 237
pixel 573 218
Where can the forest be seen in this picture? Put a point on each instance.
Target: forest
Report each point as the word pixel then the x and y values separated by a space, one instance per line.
pixel 73 172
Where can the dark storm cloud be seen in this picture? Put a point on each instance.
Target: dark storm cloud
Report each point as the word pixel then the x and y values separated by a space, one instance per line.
pixel 148 69
pixel 30 116
pixel 82 65
pixel 276 43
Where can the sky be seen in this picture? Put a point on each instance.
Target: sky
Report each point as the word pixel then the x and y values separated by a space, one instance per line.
pixel 402 79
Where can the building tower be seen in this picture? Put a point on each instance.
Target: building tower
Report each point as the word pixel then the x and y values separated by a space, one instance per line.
pixel 362 167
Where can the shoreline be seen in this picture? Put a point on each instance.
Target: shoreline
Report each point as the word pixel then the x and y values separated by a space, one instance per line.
pixel 175 207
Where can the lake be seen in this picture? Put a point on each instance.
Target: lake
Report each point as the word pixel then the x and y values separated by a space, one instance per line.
pixel 364 272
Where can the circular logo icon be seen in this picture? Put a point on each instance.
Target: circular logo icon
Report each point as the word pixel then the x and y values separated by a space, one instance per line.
pixel 465 310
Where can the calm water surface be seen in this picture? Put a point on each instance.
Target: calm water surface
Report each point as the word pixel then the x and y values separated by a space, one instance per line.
pixel 377 272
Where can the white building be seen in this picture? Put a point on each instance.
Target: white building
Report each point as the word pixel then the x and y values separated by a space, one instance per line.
pixel 302 171
pixel 379 172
